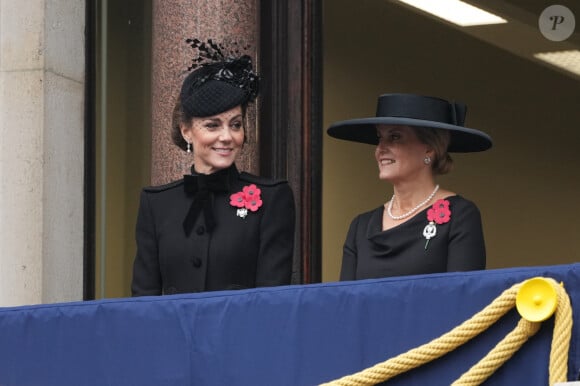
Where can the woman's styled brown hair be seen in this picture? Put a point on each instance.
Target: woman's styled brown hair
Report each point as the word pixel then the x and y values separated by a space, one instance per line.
pixel 439 140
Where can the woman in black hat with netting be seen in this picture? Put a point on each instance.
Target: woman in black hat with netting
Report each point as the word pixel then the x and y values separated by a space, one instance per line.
pixel 422 228
pixel 217 228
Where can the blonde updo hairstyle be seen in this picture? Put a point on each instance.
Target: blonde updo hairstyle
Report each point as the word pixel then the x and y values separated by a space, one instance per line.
pixel 439 140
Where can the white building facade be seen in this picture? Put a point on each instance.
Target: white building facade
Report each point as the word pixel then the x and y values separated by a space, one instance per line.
pixel 42 88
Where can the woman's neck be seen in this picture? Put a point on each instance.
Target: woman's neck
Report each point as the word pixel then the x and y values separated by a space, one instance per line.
pixel 408 196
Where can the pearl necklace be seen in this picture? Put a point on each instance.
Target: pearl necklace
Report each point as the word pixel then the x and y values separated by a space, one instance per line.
pixel 405 215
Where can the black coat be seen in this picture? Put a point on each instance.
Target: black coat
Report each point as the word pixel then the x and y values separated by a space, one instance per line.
pixel 240 252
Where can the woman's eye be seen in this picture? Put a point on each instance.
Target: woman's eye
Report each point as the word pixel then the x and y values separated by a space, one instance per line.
pixel 211 126
pixel 237 125
pixel 389 137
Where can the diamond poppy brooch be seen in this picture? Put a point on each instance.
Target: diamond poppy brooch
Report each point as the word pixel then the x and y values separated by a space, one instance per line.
pixel 439 213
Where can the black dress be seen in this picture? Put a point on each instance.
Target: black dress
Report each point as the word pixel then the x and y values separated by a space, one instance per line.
pixel 232 251
pixel 370 252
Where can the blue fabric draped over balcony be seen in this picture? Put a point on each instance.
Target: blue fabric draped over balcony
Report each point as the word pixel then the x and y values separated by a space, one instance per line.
pixel 292 335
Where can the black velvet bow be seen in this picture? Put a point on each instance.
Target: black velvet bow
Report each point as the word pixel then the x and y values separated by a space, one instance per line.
pixel 203 187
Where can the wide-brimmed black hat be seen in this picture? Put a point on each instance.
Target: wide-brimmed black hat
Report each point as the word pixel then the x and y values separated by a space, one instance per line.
pixel 415 110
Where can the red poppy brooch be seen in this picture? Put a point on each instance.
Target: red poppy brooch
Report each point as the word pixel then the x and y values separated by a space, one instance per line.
pixel 439 213
pixel 248 198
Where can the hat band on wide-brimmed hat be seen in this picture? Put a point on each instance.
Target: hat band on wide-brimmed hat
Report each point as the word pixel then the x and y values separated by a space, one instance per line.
pixel 417 111
pixel 422 108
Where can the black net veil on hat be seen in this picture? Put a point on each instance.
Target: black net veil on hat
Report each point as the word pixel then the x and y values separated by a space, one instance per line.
pixel 219 81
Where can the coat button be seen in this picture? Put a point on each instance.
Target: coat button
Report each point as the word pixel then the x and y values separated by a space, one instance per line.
pixel 196 262
pixel 200 230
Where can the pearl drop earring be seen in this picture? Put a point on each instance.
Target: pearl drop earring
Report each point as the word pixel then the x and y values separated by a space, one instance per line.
pixel 189 147
pixel 427 160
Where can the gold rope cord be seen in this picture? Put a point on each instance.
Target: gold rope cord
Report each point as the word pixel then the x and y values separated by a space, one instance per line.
pixel 467 330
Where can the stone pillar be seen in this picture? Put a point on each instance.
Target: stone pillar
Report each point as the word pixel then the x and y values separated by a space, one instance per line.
pixel 41 150
pixel 173 22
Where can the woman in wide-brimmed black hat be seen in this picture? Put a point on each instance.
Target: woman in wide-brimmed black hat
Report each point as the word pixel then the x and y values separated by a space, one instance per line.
pixel 217 228
pixel 422 228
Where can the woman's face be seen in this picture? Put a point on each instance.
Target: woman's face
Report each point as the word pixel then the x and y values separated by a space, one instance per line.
pixel 216 140
pixel 400 155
